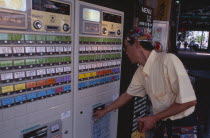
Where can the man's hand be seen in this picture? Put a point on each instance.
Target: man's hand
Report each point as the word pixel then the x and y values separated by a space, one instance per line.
pixel 146 123
pixel 99 113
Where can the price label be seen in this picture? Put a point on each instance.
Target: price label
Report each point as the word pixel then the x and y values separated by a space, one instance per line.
pixel 7 89
pixel 100 48
pixel 94 66
pixel 40 49
pixel 88 66
pixel 51 81
pixel 41 72
pixel 18 75
pixel 6 76
pixel 88 48
pixel 5 50
pixel 67 88
pixel 51 71
pixel 6 63
pixel 41 83
pixel 30 49
pixel 59 70
pixel 93 74
pixel 41 94
pixel 82 67
pixel 51 92
pixel 59 49
pixel 81 76
pixel 50 49
pixel 30 85
pixel 17 50
pixel 20 87
pixel 31 73
pixel 67 69
pixel 82 48
pixel 19 62
pixel 67 49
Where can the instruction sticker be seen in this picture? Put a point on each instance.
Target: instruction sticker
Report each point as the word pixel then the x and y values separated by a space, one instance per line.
pixel 6 76
pixel 19 75
pixel 7 89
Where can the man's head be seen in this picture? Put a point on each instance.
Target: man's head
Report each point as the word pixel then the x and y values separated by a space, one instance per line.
pixel 136 49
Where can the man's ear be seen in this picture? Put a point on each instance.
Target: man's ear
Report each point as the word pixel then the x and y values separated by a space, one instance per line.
pixel 137 43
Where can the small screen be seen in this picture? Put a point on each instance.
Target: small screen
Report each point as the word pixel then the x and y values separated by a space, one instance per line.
pixel 51 6
pixel 91 15
pixel 112 18
pixel 19 5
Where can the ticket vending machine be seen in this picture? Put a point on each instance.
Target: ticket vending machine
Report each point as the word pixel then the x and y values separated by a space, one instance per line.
pixel 98 40
pixel 36 40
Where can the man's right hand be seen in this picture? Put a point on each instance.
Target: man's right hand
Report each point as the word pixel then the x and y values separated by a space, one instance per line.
pixel 99 113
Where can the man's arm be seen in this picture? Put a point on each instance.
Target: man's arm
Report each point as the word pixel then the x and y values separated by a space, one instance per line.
pixel 122 100
pixel 176 108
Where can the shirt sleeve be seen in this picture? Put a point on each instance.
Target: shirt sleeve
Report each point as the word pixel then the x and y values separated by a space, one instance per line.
pixel 179 80
pixel 136 88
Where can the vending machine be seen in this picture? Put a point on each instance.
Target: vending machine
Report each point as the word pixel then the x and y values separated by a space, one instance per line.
pixel 36 40
pixel 98 45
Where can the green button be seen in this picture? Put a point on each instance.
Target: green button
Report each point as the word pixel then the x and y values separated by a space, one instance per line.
pixel 17 37
pixel 30 61
pixel 6 63
pixel 40 61
pixel 40 37
pixel 59 59
pixel 19 62
pixel 5 36
pixel 50 60
pixel 66 38
pixel 58 38
pixel 50 38
pixel 29 37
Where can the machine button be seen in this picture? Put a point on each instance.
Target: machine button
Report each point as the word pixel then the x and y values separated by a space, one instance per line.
pixel 118 32
pixel 104 30
pixel 37 24
pixel 66 27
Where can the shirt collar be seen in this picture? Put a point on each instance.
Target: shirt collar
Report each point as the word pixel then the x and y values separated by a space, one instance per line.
pixel 149 63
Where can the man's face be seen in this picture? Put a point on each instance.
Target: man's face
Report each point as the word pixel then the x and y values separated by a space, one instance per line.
pixel 131 52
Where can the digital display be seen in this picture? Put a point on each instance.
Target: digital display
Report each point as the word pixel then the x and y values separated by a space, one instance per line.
pixel 19 5
pixel 20 98
pixel 112 18
pixel 51 6
pixel 91 15
pixel 8 101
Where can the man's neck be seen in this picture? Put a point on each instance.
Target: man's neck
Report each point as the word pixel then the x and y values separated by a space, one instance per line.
pixel 146 55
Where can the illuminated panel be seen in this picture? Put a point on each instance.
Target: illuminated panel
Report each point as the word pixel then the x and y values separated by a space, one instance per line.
pixel 91 15
pixel 19 5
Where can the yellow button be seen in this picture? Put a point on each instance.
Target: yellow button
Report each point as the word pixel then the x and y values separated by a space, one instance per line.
pixel 7 89
pixel 81 76
pixel 87 75
pixel 93 74
pixel 20 87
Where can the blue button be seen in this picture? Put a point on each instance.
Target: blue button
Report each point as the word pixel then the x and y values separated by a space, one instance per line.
pixel 31 96
pixel 51 92
pixel 41 94
pixel 67 88
pixel 8 101
pixel 20 98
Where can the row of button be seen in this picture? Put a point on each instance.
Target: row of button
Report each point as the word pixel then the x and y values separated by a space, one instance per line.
pixel 92 75
pixel 31 39
pixel 93 58
pixel 99 49
pixel 93 40
pixel 30 86
pixel 30 63
pixel 99 65
pixel 98 82
pixel 31 51
pixel 8 102
pixel 31 74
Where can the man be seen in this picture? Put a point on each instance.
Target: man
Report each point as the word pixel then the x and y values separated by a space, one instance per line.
pixel 161 76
